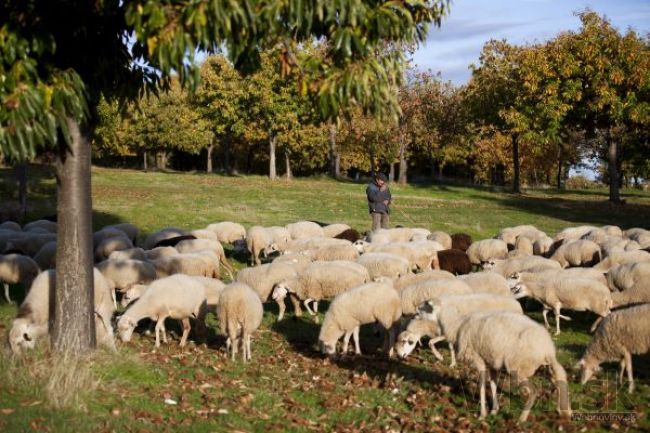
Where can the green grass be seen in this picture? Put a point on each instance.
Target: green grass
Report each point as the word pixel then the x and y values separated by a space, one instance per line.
pixel 288 386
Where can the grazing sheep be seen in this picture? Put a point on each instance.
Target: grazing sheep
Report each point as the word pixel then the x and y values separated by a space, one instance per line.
pixel 442 238
pixel 108 245
pixel 524 245
pixel 633 233
pixel 320 280
pixel 172 242
pixel 493 341
pixel 510 234
pixel 263 278
pixel 303 258
pixel 106 233
pixel 15 269
pixel 154 238
pixel 205 234
pixel 50 226
pixel 135 253
pixel 455 261
pixel 402 282
pixel 46 256
pixel 122 274
pixel 419 256
pixel 611 230
pixel 200 263
pixel 542 245
pixel 349 235
pixel 589 273
pixel 178 297
pixel 228 232
pixel 240 313
pixel 33 316
pixel 577 253
pixel 524 264
pixel 369 303
pixel 29 244
pixel 416 329
pixel 450 311
pixel 487 249
pixel 304 244
pixel 624 277
pixel 305 229
pixel 415 294
pixel 622 258
pixel 487 282
pixel 623 333
pixel 11 225
pixel 333 230
pixel 130 230
pixel 461 241
pixel 334 252
pixel 573 233
pixel 258 241
pixel 213 289
pixel 578 294
pixel 194 245
pixel 384 265
pixel 399 234
pixel 160 252
pixel 612 245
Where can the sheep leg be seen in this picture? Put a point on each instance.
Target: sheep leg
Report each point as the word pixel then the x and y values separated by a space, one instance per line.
pixel 596 323
pixel 621 371
pixel 160 325
pixel 248 347
pixel 526 385
pixel 315 307
pixel 432 346
pixel 482 375
pixel 186 331
pixel 544 314
pixel 296 305
pixel 281 308
pixel 7 297
pixel 628 367
pixel 309 310
pixel 453 355
pixel 114 298
pixel 556 312
pixel 493 389
pixel 355 336
pixel 346 342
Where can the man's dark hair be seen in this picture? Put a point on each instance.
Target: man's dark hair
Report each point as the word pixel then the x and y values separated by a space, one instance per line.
pixel 381 176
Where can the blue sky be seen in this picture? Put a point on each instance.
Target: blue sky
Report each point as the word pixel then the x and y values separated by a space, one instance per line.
pixel 451 48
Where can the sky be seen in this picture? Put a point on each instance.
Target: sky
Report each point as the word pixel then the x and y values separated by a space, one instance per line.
pixel 451 48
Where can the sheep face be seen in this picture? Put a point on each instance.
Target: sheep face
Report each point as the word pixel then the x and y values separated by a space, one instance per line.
pixel 587 369
pixel 125 327
pixel 520 290
pixel 280 292
pixel 271 249
pixel 513 280
pixel 406 342
pixel 132 293
pixel 490 264
pixel 21 336
pixel 428 310
pixel 325 348
pixel 360 245
pixel 382 279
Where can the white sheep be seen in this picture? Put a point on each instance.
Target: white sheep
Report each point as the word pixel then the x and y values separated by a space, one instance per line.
pixel 573 233
pixel 131 231
pixel 369 303
pixel 213 289
pixel 434 274
pixel 487 249
pixel 160 252
pixel 577 253
pixel 450 311
pixel 332 252
pixel 50 226
pixel 442 238
pixel 194 245
pixel 493 341
pixel 33 317
pixel 135 253
pixel 200 263
pixel 589 273
pixel 11 225
pixel 305 229
pixel 240 313
pixel 633 233
pixel 509 234
pixel 108 245
pixel 302 258
pixel 122 274
pixel 304 244
pixel 622 258
pixel 178 297
pixel 167 233
pixel 486 282
pixel 411 337
pixel 623 333
pixel 399 234
pixel 524 264
pixel 29 243
pixel 17 269
pixel 318 281
pixel 385 265
pixel 525 245
pixel 419 257
pixel 207 234
pixel 332 230
pixel 578 294
pixel 228 232
pixel 416 294
pixel 612 230
pixel 542 245
pixel 624 277
pixel 258 241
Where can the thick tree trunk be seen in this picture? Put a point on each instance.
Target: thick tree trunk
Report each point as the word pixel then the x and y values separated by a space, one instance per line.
pixel 287 165
pixel 335 158
pixel 72 303
pixel 21 180
pixel 402 161
pixel 209 159
pixel 516 183
pixel 612 153
pixel 272 142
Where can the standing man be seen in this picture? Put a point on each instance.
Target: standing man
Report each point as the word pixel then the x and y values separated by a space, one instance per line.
pixel 379 199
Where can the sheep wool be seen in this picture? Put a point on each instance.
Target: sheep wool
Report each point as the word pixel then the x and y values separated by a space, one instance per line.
pixel 240 313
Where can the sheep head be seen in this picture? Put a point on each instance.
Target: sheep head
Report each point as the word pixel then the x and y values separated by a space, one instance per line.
pixel 328 349
pixel 280 292
pixel 513 280
pixel 21 336
pixel 125 327
pixel 360 245
pixel 520 290
pixel 588 367
pixel 405 344
pixel 428 310
pixel 490 264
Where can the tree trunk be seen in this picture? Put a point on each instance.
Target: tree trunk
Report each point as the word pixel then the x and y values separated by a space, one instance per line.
pixel 209 158
pixel 614 195
pixel 226 157
pixel 516 185
pixel 559 169
pixel 272 141
pixel 335 159
pixel 402 161
pixel 72 303
pixel 391 172
pixel 21 180
pixel 287 165
pixel 144 160
pixel 440 167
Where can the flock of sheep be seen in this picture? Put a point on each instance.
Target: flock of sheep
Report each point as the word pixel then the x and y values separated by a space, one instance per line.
pixel 410 282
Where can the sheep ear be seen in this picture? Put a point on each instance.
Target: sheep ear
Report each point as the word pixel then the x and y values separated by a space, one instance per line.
pixel 426 307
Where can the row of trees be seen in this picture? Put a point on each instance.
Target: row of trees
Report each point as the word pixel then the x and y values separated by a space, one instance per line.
pixel 528 114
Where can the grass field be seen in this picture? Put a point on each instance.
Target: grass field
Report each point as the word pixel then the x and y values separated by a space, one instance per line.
pixel 288 386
